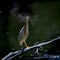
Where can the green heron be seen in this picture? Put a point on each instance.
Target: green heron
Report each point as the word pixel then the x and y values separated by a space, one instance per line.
pixel 22 18
pixel 24 32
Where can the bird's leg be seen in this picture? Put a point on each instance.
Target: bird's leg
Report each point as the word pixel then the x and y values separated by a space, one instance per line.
pixel 21 43
pixel 26 44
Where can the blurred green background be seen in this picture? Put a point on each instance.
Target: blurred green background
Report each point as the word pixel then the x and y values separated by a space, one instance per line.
pixel 44 26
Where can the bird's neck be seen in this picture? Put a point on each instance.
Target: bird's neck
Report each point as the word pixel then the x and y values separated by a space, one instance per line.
pixel 26 26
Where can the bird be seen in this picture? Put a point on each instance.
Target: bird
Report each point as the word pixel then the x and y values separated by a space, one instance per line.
pixel 21 18
pixel 24 33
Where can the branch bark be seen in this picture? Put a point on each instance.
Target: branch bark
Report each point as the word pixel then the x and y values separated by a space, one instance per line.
pixel 16 53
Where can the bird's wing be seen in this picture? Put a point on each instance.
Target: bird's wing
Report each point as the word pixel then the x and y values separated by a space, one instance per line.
pixel 21 33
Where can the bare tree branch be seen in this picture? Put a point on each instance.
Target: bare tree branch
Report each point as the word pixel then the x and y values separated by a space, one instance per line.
pixel 16 53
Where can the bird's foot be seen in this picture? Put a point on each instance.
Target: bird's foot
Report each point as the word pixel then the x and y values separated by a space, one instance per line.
pixel 28 47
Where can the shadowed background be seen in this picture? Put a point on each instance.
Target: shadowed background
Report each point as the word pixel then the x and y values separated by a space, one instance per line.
pixel 44 26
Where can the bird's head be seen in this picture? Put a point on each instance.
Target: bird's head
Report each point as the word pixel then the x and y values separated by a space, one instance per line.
pixel 23 18
pixel 27 18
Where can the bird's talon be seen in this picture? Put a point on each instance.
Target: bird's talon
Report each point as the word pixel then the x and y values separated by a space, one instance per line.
pixel 28 46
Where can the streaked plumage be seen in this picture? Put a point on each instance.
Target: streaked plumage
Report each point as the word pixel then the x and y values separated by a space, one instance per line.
pixel 24 32
pixel 21 33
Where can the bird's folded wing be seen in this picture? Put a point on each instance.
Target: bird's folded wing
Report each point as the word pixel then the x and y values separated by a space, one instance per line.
pixel 21 33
